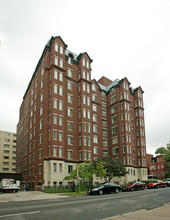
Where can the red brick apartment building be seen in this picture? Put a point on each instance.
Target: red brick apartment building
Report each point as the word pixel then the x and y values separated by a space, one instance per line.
pixel 156 166
pixel 67 118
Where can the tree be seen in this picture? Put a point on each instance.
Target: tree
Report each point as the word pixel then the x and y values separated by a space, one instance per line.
pixel 111 168
pixel 166 152
pixel 82 171
pixel 98 169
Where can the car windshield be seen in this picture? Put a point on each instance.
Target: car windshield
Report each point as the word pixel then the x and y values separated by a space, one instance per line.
pixel 168 179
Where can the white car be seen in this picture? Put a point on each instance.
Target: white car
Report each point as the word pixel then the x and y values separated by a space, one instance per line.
pixel 167 181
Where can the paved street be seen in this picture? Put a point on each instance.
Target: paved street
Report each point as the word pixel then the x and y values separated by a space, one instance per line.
pixel 85 207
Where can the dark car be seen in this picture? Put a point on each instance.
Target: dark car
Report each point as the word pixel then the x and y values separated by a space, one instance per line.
pixel 156 184
pixel 138 185
pixel 105 189
pixel 167 181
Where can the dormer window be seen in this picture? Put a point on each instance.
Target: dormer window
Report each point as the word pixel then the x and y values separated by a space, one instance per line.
pixel 70 59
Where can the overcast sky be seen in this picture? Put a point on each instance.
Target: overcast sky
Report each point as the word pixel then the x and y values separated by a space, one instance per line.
pixel 125 38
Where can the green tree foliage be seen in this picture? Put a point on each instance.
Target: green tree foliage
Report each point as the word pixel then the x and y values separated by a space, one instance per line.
pixel 166 152
pixel 98 169
pixel 82 171
pixel 109 168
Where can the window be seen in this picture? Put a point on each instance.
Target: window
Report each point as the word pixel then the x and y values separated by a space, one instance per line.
pixel 60 105
pixel 105 142
pixel 114 130
pixel 84 100
pixel 70 112
pixel 113 99
pixel 40 154
pixel 61 49
pixel 114 119
pixel 94 97
pixel 84 87
pixel 55 151
pixel 40 139
pixel 94 108
pixel 61 63
pixel 88 76
pixel 40 124
pixel 103 112
pixel 84 74
pixel 115 140
pixel 70 168
pixel 95 150
pixel 54 167
pixel 70 60
pixel 87 64
pixel 55 88
pixel 70 85
pixel 89 141
pixel 55 103
pixel 60 135
pixel 56 60
pixel 88 101
pixel 55 119
pixel 70 125
pixel 40 169
pixel 113 109
pixel 70 154
pixel 85 141
pixel 60 152
pixel 56 47
pixel 61 76
pixel 70 140
pixel 95 128
pixel 85 155
pixel 70 98
pixel 115 150
pixel 95 118
pixel 89 155
pixel 84 62
pixel 88 114
pixel 55 74
pixel 88 127
pixel 70 73
pixel 54 135
pixel 95 139
pixel 94 88
pixel 60 167
pixel 60 90
pixel 60 120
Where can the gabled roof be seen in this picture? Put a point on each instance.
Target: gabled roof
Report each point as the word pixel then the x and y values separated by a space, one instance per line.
pixel 139 87
pixel 53 39
pixel 85 53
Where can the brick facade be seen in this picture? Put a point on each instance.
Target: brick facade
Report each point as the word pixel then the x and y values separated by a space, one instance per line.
pixel 156 166
pixel 67 118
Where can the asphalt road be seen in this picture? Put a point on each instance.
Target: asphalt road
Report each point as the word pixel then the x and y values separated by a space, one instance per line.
pixel 85 207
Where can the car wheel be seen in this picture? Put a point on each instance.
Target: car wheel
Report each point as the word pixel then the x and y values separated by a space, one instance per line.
pixel 165 185
pixel 100 192
pixel 157 186
pixel 116 190
pixel 143 188
pixel 131 189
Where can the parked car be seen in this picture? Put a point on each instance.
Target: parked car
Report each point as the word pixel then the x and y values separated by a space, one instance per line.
pixel 138 185
pixel 105 189
pixel 167 181
pixel 156 184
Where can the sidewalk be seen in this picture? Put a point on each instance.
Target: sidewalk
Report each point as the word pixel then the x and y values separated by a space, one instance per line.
pixel 161 213
pixel 26 196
